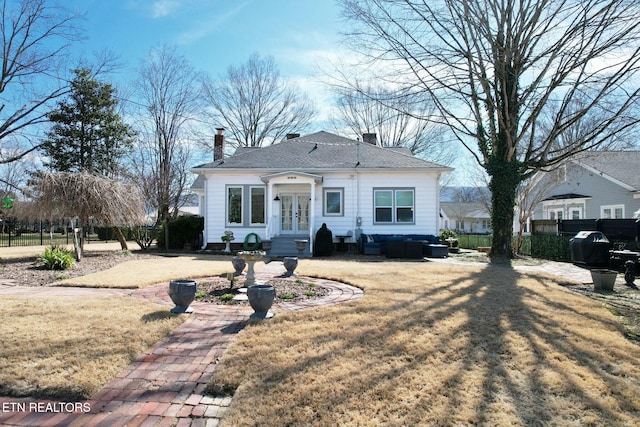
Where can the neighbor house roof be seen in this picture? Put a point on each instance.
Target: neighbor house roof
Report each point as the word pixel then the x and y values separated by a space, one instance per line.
pixel 321 150
pixel 566 196
pixel 465 210
pixel 619 166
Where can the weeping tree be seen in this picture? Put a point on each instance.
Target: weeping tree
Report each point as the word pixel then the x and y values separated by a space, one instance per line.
pixel 496 68
pixel 85 196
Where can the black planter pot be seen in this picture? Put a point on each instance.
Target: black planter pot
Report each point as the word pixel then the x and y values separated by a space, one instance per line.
pixel 182 293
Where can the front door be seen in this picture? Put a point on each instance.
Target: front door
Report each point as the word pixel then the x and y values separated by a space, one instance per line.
pixel 294 213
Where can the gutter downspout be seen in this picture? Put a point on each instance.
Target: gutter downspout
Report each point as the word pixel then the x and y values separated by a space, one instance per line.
pixel 203 210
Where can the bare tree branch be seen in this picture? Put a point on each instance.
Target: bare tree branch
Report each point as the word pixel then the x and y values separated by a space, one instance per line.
pixel 496 69
pixel 34 37
pixel 255 104
pixel 170 88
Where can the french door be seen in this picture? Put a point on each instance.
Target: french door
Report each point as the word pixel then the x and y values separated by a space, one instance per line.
pixel 294 213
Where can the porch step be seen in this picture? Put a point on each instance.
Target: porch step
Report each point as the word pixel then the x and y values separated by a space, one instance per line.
pixel 282 246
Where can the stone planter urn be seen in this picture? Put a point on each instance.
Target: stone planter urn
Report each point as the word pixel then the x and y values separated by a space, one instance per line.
pixel 238 264
pixel 261 299
pixel 251 257
pixel 290 263
pixel 182 293
pixel 603 280
pixel 300 245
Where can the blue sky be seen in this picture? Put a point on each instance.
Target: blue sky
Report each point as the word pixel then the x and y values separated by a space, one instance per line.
pixel 213 34
pixel 301 35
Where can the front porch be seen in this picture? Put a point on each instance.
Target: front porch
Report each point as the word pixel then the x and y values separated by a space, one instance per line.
pixel 290 211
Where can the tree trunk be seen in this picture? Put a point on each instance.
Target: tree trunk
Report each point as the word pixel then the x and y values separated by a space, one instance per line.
pixel 505 178
pixel 120 237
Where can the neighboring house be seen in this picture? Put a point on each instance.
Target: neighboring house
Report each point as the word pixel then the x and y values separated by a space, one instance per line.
pixel 598 185
pixel 288 190
pixel 465 217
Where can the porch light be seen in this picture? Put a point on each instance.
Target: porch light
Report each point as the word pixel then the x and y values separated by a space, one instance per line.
pixel 277 198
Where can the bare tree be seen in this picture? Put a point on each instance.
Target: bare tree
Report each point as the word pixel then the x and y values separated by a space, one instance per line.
pixel 531 192
pixel 494 67
pixel 393 120
pixel 255 104
pixel 169 88
pixel 34 37
pixel 14 175
pixel 82 195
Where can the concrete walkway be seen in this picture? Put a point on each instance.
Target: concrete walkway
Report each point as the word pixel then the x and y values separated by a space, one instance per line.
pixel 165 386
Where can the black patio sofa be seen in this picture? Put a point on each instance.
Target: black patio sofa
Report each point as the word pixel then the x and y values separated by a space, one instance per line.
pixel 402 245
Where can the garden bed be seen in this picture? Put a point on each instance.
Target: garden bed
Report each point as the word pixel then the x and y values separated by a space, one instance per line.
pixel 28 271
pixel 216 290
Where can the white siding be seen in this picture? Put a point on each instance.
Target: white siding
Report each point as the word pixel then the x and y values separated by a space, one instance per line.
pixel 358 201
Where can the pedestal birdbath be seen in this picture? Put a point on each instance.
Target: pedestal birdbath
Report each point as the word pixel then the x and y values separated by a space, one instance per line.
pixel 251 257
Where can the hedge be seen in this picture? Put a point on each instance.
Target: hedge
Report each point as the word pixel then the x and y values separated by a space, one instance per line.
pixel 183 230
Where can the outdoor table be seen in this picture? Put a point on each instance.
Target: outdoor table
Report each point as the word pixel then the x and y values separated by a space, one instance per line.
pixel 342 247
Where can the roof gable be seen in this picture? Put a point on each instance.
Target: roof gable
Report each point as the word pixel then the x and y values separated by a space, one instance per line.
pixel 619 167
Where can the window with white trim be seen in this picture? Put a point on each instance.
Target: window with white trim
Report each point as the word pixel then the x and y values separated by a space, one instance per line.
pixel 393 206
pixel 234 205
pixel 612 212
pixel 257 205
pixel 333 200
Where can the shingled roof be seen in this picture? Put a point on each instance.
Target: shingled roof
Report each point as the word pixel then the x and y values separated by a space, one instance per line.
pixel 619 165
pixel 322 150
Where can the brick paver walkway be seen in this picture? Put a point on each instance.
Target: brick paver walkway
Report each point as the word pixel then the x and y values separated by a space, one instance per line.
pixel 165 386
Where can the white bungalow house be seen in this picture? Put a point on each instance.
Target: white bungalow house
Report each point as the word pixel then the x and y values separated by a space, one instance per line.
pixel 286 191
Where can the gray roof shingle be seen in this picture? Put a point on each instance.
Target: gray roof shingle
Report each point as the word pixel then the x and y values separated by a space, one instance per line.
pixel 321 150
pixel 619 165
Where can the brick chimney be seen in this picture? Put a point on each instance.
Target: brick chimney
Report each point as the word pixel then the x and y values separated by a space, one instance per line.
pixel 370 138
pixel 218 145
pixel 293 135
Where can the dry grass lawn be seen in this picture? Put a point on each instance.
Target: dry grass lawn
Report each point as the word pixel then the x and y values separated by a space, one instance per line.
pixel 145 272
pixel 435 345
pixel 69 348
pixel 35 251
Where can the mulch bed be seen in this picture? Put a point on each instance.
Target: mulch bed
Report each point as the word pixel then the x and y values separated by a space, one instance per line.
pixel 29 271
pixel 623 302
pixel 295 288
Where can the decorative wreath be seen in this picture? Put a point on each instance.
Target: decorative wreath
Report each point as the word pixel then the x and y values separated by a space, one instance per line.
pixel 251 246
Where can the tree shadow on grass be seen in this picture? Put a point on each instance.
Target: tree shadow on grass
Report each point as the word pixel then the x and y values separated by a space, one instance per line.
pixel 492 347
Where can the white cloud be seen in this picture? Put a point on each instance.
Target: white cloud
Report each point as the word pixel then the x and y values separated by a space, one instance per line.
pixel 205 26
pixel 162 8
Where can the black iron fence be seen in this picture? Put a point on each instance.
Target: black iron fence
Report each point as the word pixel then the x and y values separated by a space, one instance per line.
pixel 17 233
pixel 25 238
